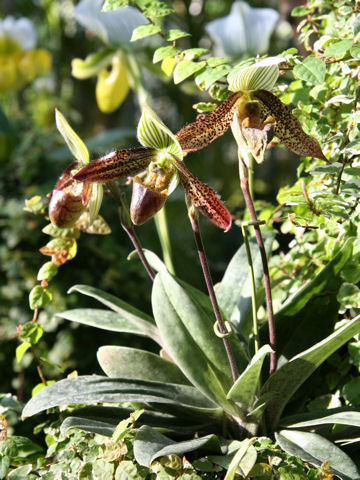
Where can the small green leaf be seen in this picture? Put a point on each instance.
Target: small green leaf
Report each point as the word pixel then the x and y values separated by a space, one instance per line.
pixel 165 52
pixel 185 69
pixel 156 9
pixel 174 34
pixel 238 457
pixel 300 11
pixel 315 449
pixel 31 332
pixel 349 296
pixel 144 31
pixel 20 473
pixel 114 4
pixel 338 49
pixel 47 271
pixel 210 75
pixel 355 52
pixel 152 132
pixel 311 70
pixel 194 53
pixel 216 61
pixel 21 350
pixel 39 297
pixel 74 142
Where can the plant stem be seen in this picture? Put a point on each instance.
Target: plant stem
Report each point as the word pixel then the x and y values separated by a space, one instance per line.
pixel 209 284
pixel 253 288
pixel 163 233
pixel 250 205
pixel 128 226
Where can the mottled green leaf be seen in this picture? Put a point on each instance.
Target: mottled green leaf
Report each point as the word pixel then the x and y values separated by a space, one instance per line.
pixel 185 69
pixel 175 33
pixel 315 449
pixel 338 49
pixel 164 52
pixel 311 70
pixel 144 31
pixel 113 4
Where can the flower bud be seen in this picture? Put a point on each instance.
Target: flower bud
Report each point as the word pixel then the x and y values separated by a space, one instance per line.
pixel 145 201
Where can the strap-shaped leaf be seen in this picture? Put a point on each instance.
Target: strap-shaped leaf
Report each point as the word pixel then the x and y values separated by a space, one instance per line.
pixel 74 142
pixel 209 127
pixel 289 378
pixel 115 165
pixel 150 444
pixel 261 75
pixel 204 198
pixel 288 128
pixel 92 389
pixel 129 363
pixel 313 448
pixel 152 132
pixel 245 387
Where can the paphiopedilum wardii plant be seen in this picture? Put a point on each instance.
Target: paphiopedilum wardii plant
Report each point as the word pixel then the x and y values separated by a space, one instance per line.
pixel 162 157
pixel 70 199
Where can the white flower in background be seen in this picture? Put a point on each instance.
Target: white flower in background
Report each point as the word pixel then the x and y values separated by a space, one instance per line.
pixel 21 32
pixel 114 27
pixel 244 30
pixel 115 66
pixel 20 61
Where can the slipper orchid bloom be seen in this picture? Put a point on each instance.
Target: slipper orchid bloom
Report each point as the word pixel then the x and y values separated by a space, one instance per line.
pixel 162 157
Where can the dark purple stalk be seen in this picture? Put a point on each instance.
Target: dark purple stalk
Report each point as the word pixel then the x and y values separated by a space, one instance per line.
pixel 129 228
pixel 250 205
pixel 209 284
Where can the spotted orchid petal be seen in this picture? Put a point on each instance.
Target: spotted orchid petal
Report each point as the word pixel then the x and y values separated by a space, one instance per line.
pixel 115 165
pixel 204 198
pixel 288 128
pixel 209 127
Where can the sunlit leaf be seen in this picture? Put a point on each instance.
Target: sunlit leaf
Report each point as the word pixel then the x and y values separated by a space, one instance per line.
pixel 185 69
pixel 144 31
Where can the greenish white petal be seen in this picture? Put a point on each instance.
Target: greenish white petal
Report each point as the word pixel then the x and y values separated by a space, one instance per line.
pixel 92 64
pixel 96 200
pixel 74 142
pixel 152 132
pixel 260 76
pixel 240 140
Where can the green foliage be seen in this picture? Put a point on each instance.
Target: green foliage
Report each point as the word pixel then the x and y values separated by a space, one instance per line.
pixel 191 407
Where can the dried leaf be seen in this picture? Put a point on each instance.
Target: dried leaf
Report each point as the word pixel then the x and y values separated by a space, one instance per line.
pixel 115 165
pixel 209 127
pixel 288 128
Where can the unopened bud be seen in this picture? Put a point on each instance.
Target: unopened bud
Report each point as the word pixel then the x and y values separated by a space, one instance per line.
pixel 145 202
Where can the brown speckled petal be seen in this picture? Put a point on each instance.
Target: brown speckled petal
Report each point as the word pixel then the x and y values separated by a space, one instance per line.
pixel 204 198
pixel 288 128
pixel 115 165
pixel 209 127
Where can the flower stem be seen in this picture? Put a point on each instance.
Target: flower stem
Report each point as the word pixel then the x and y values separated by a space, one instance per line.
pixel 128 226
pixel 253 288
pixel 209 284
pixel 250 205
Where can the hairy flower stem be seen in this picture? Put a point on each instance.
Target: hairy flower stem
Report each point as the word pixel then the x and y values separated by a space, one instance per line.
pixel 128 227
pixel 209 284
pixel 250 205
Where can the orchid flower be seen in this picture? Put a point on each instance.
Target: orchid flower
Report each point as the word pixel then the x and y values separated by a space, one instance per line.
pixel 70 200
pixel 255 116
pixel 20 61
pixel 114 28
pixel 162 157
pixel 244 30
